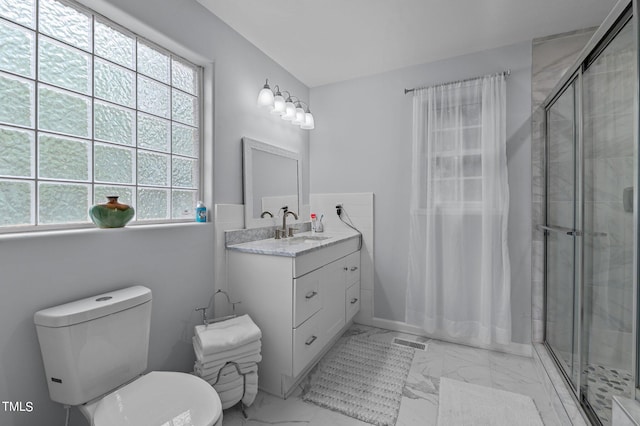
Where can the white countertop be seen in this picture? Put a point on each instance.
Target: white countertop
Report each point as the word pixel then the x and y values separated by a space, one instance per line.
pixel 297 245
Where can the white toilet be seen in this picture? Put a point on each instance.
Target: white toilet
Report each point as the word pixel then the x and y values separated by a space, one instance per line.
pixel 95 351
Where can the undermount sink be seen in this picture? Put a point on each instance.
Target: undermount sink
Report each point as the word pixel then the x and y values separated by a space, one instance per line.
pixel 307 238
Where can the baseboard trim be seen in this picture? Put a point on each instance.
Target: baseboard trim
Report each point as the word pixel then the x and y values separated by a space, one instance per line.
pixel 521 349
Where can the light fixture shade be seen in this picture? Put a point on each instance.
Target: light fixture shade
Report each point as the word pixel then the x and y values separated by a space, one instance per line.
pixel 265 98
pixel 290 111
pixel 309 122
pixel 299 120
pixel 279 105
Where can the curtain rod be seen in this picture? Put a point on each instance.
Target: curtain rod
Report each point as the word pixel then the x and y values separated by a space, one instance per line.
pixel 506 73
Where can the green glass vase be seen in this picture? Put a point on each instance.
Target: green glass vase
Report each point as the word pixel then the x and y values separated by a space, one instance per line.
pixel 111 214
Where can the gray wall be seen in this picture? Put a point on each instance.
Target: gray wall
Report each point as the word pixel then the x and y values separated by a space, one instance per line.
pixel 362 142
pixel 39 271
pixel 44 269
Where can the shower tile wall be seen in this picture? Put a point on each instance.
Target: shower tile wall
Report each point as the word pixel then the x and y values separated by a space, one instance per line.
pixel 608 170
pixel 609 153
pixel 551 57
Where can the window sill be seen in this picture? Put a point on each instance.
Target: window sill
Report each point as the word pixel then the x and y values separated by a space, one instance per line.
pixel 46 230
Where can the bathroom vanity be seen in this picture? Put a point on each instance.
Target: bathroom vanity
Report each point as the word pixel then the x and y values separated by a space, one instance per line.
pixel 302 292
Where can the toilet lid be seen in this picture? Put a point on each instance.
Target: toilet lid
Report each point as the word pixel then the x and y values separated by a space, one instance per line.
pixel 160 398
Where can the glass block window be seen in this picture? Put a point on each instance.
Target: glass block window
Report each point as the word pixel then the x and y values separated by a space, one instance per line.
pixel 89 109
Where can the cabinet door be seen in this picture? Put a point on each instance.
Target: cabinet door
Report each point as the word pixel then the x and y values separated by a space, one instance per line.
pixel 332 291
pixel 353 300
pixel 352 268
pixel 307 295
pixel 308 341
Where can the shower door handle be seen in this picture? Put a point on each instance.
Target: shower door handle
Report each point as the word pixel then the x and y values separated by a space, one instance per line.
pixel 560 230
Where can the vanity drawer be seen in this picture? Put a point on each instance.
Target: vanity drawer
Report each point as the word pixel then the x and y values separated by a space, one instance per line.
pixel 352 266
pixel 311 261
pixel 353 301
pixel 306 297
pixel 307 343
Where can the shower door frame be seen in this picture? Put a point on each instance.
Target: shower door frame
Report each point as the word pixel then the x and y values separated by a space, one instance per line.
pixel 574 78
pixel 636 201
pixel 600 39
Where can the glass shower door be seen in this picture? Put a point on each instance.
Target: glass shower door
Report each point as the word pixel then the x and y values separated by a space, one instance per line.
pixel 608 224
pixel 560 236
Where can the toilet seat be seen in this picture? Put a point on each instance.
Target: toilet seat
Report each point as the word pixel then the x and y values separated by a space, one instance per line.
pixel 159 398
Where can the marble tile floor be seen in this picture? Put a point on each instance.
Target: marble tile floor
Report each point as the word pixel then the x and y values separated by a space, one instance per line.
pixel 419 406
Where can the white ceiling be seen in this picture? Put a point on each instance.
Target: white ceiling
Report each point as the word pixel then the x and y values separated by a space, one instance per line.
pixel 325 41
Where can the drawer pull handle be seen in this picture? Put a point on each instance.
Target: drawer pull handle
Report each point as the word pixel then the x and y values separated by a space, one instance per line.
pixel 354 268
pixel 310 341
pixel 311 295
pixel 354 300
pixel 345 268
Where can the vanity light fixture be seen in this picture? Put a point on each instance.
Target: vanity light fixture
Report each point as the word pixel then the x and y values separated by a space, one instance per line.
pixel 309 122
pixel 266 98
pixel 299 120
pixel 279 104
pixel 289 108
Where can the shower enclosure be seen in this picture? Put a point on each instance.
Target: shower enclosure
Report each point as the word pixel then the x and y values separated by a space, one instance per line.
pixel 591 216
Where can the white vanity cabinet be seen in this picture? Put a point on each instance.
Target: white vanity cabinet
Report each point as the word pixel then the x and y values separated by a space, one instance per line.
pixel 301 303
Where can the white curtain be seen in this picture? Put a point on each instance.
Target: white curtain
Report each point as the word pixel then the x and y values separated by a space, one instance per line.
pixel 459 274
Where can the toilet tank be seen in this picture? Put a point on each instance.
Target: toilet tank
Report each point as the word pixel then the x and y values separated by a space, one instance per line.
pixel 94 345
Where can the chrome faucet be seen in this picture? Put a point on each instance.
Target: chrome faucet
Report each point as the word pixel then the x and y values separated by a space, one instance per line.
pixel 285 212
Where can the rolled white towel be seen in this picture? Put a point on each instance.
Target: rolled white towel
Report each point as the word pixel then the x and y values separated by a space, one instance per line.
pixel 227 335
pixel 227 375
pixel 246 365
pixel 251 389
pixel 230 355
pixel 251 379
pixel 237 382
pixel 253 358
pixel 231 397
pixel 230 373
pixel 211 370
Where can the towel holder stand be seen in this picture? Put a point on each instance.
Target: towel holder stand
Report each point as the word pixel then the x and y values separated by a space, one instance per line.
pixel 244 384
pixel 208 321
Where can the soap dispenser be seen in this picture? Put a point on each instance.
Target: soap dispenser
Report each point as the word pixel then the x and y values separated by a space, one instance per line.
pixel 201 212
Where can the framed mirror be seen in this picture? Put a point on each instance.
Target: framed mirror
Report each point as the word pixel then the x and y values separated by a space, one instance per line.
pixel 272 178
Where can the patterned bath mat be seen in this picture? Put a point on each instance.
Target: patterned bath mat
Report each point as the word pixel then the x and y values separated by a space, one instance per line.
pixel 362 378
pixel 463 404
